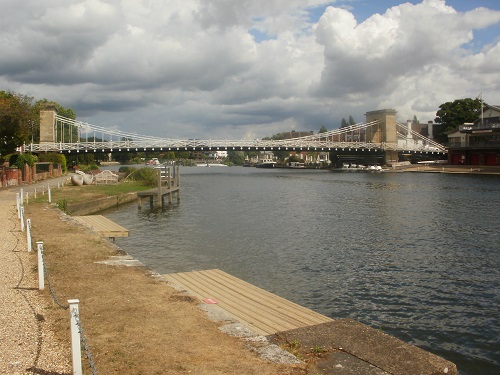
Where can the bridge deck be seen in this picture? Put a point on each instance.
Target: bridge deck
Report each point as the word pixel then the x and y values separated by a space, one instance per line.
pixel 261 311
pixel 102 225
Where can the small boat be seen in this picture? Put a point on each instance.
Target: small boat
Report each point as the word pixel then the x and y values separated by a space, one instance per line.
pixel 265 163
pixel 296 165
pixel 77 180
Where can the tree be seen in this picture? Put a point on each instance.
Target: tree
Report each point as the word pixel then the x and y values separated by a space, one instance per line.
pixel 343 123
pixel 323 129
pixel 415 119
pixel 17 119
pixel 351 120
pixel 453 114
pixel 236 157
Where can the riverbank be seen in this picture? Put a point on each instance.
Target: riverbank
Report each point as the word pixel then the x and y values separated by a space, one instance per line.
pixel 134 322
pixel 459 169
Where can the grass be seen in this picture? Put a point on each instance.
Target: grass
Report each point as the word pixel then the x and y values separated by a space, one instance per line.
pixel 134 323
pixel 74 194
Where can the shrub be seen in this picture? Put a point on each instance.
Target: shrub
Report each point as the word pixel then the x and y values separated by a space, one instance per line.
pixel 54 158
pixel 145 175
pixel 126 170
pixel 18 160
pixel 88 167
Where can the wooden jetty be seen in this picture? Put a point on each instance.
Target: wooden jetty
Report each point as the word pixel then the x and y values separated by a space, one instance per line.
pixel 350 347
pixel 102 225
pixel 261 311
pixel 168 183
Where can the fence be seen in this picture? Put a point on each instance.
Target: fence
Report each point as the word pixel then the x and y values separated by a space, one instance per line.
pixel 77 333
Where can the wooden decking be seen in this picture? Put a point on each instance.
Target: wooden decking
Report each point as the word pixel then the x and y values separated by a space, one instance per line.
pixel 168 183
pixel 102 225
pixel 261 311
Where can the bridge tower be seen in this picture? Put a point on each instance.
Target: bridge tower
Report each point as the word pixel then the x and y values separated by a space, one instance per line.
pixel 384 132
pixel 47 122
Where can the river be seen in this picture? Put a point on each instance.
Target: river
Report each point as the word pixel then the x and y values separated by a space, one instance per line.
pixel 416 255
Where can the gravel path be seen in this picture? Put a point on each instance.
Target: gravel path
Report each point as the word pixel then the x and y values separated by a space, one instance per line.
pixel 27 345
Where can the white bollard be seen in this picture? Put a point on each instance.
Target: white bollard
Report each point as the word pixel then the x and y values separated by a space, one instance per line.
pixel 50 194
pixel 75 337
pixel 21 195
pixel 27 197
pixel 28 234
pixel 18 204
pixel 41 280
pixel 35 193
pixel 22 218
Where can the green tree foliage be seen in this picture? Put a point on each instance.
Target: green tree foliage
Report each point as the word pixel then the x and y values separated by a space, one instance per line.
pixel 236 157
pixel 281 155
pixel 453 114
pixel 19 160
pixel 323 129
pixel 351 120
pixel 17 119
pixel 145 175
pixel 55 158
pixel 20 119
pixel 343 123
pixel 61 111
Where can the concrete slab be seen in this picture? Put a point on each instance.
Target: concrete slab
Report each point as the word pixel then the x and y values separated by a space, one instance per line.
pixel 359 342
pixel 122 260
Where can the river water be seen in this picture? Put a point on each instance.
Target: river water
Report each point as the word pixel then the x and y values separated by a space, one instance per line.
pixel 415 255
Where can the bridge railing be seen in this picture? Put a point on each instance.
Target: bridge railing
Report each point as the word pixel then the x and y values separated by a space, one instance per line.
pixel 159 145
pixel 92 138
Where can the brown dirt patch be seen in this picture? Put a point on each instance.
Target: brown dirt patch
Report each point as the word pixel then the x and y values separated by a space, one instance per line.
pixel 135 323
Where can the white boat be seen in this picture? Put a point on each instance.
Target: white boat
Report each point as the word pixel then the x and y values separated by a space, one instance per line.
pixel 77 180
pixel 265 163
pixel 295 164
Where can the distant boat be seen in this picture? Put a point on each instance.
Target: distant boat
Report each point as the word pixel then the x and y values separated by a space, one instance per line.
pixel 265 163
pixel 295 164
pixel 211 165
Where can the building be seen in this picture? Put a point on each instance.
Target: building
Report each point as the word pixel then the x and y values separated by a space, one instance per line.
pixel 477 143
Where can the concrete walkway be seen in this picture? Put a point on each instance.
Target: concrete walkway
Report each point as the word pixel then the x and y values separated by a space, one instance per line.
pixel 27 345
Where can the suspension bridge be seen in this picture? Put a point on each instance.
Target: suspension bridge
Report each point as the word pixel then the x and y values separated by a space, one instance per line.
pixel 380 133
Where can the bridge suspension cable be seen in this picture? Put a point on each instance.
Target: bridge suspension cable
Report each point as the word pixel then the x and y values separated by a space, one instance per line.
pixel 77 136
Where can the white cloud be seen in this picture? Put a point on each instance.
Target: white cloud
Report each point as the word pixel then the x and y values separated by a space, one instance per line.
pixel 194 69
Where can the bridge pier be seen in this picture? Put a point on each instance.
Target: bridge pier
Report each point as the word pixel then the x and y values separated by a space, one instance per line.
pixel 47 121
pixel 385 132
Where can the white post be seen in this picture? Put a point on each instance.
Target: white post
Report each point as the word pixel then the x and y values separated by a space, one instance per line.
pixel 27 197
pixel 75 336
pixel 18 203
pixel 50 195
pixel 21 195
pixel 28 234
pixel 35 193
pixel 41 281
pixel 22 218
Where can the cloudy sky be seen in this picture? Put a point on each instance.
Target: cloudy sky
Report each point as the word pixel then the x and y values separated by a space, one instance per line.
pixel 231 69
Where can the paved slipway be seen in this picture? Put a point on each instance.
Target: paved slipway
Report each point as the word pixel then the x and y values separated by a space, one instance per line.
pixel 27 345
